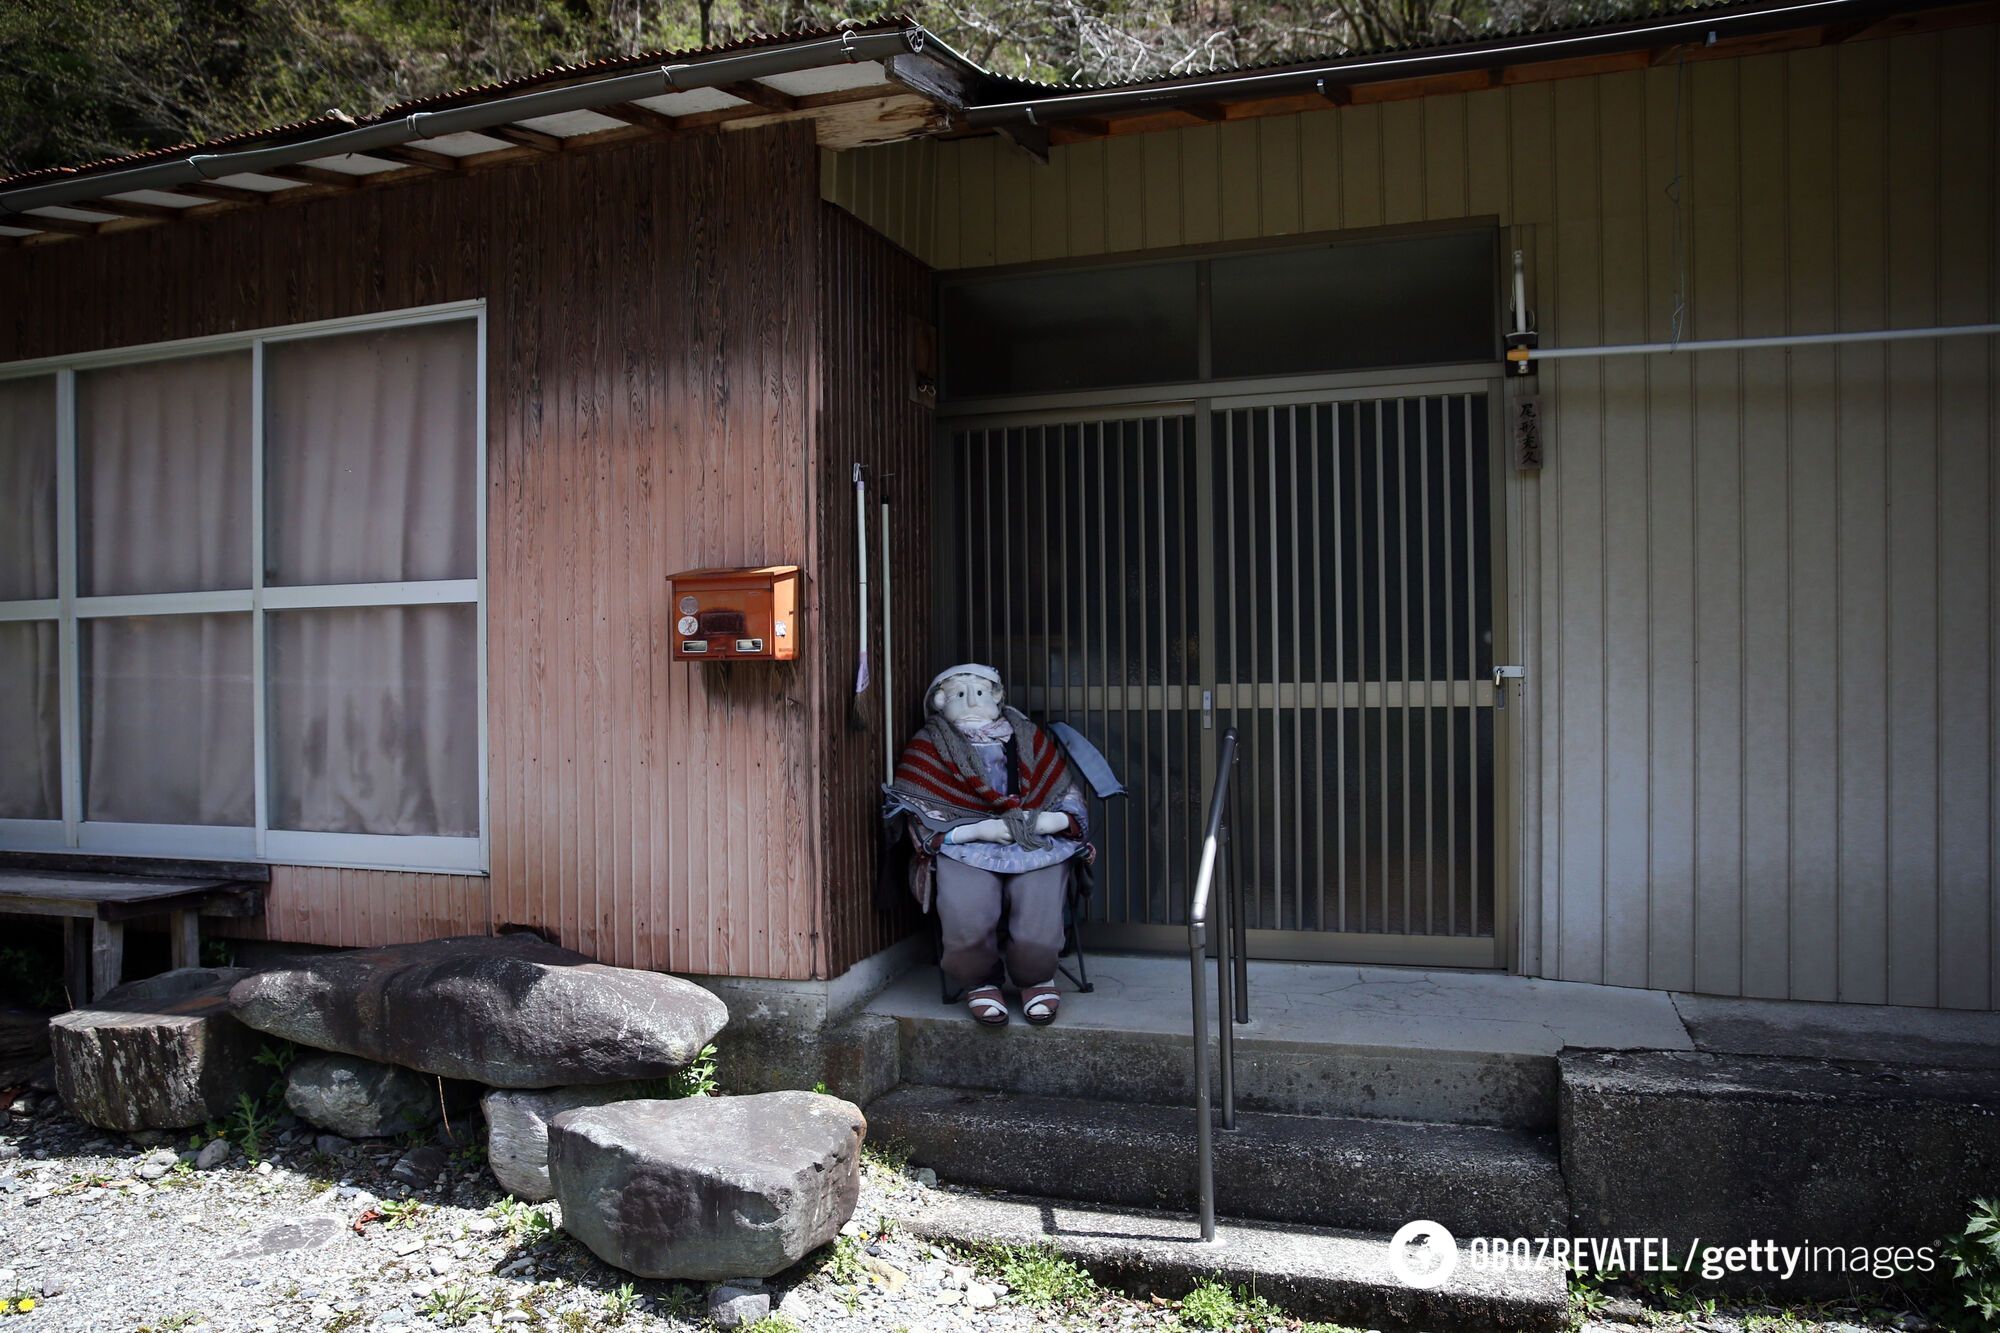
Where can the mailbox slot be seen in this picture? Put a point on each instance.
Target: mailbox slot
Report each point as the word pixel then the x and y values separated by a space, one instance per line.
pixel 735 614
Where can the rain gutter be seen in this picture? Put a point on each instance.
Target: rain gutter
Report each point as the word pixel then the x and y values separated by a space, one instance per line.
pixel 1327 78
pixel 655 82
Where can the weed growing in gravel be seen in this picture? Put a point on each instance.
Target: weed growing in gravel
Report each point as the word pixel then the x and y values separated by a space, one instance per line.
pixel 1972 1262
pixel 844 1264
pixel 1213 1305
pixel 403 1212
pixel 248 1126
pixel 891 1157
pixel 1587 1295
pixel 469 1158
pixel 1038 1275
pixel 455 1305
pixel 680 1302
pixel 772 1323
pixel 344 1321
pixel 525 1222
pixel 620 1303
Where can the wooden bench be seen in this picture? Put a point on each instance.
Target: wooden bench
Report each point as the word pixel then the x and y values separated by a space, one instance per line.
pixel 94 960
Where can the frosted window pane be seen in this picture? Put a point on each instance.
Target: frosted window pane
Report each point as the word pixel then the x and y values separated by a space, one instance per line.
pixel 1077 329
pixel 371 460
pixel 27 489
pixel 167 720
pixel 374 720
pixel 163 471
pixel 30 745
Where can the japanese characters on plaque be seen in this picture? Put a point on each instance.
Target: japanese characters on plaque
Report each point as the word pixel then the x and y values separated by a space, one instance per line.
pixel 1528 432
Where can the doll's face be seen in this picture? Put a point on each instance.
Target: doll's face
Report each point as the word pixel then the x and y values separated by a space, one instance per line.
pixel 963 699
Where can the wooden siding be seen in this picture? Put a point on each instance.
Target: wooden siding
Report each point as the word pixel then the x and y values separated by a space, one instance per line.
pixel 651 380
pixel 1756 593
pixel 875 307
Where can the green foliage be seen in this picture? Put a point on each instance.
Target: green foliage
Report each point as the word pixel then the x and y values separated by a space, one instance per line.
pixel 620 1303
pixel 1587 1295
pixel 218 953
pixel 844 1264
pixel 403 1212
pixel 1213 1305
pixel 248 1126
pixel 771 1323
pixel 276 1056
pixel 1039 1276
pixel 455 1305
pixel 1971 1262
pixel 526 1223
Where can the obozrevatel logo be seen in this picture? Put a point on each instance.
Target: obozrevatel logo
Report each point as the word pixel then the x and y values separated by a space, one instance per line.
pixel 1422 1255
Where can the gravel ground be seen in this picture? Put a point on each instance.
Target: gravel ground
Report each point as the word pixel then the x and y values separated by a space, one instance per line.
pixel 103 1233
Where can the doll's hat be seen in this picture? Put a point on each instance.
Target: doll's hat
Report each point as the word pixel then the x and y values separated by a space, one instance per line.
pixel 962 669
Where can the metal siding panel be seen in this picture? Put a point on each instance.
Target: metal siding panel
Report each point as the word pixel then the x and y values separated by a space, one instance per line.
pixel 1966 475
pixel 1813 784
pixel 1049 209
pixel 1014 174
pixel 1716 207
pixel 1488 132
pixel 1319 170
pixel 1278 175
pixel 1361 165
pixel 1579 608
pixel 1860 212
pixel 1403 161
pixel 1236 145
pixel 1085 164
pixel 1124 193
pixel 1201 185
pixel 1766 535
pixel 1160 200
pixel 1670 561
pixel 1445 178
pixel 1620 213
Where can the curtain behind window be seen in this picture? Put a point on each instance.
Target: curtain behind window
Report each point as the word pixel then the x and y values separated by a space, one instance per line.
pixel 30 749
pixel 163 476
pixel 371 469
pixel 27 489
pixel 371 475
pixel 167 725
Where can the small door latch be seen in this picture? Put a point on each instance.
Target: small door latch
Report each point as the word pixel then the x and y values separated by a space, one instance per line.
pixel 1208 710
pixel 1501 675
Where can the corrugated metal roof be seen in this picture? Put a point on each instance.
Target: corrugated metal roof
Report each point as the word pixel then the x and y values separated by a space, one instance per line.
pixel 553 77
pixel 1016 86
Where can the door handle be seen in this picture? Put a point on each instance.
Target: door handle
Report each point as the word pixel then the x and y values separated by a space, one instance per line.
pixel 1208 710
pixel 1501 675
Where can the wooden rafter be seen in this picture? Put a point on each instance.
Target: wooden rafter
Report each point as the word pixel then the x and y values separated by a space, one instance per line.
pixel 304 174
pixel 539 140
pixel 411 156
pixel 126 208
pixel 643 116
pixel 228 194
pixel 67 226
pixel 760 94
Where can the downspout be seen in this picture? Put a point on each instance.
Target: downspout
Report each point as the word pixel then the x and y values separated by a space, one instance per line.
pixel 656 82
pixel 1330 75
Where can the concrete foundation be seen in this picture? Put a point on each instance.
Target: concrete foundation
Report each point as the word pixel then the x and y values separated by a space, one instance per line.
pixel 1731 1150
pixel 798 1034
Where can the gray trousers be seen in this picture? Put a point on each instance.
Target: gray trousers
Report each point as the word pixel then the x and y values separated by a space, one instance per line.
pixel 970 902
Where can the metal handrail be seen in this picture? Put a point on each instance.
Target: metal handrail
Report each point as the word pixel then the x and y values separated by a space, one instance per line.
pixel 1232 981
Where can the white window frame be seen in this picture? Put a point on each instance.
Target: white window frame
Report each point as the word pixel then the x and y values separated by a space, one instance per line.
pixel 372 851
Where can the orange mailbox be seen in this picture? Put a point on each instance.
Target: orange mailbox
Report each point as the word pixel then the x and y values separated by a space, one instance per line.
pixel 736 615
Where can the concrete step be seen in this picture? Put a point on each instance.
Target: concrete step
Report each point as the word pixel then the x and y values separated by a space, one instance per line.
pixel 1365 1174
pixel 1311 1273
pixel 1413 1081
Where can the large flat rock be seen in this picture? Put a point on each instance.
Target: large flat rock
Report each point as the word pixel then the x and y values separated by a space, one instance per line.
pixel 509 1011
pixel 517 1130
pixel 708 1188
pixel 163 1053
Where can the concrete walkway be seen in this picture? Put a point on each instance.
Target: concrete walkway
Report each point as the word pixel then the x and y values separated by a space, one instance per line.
pixel 1486 1013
